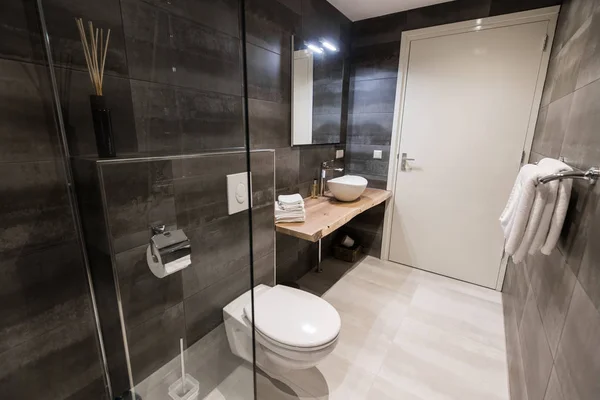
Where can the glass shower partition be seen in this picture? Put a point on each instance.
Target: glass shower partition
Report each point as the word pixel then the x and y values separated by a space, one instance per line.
pixel 169 239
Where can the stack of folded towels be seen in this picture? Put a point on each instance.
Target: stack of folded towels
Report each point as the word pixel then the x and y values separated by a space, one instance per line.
pixel 290 208
pixel 535 212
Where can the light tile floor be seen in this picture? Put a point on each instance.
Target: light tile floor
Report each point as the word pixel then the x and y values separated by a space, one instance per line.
pixel 406 334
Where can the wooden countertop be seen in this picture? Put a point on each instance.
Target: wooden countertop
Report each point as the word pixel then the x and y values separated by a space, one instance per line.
pixel 326 214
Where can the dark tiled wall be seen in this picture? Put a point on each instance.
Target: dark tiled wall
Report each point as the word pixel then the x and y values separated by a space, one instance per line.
pixel 270 25
pixel 48 342
pixel 374 69
pixel 186 193
pixel 552 303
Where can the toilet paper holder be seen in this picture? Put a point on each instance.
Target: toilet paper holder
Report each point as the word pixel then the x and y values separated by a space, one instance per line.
pixel 168 251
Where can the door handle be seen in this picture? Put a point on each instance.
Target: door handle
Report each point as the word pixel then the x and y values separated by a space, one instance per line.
pixel 404 163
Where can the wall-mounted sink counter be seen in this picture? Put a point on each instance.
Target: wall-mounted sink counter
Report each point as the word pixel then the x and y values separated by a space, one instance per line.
pixel 326 214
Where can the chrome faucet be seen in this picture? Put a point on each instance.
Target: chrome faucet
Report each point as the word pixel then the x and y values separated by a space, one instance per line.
pixel 326 166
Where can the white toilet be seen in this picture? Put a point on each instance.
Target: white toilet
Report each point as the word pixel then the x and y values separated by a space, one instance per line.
pixel 294 329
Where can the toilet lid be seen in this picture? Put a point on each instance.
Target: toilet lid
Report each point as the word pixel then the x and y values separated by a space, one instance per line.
pixel 294 317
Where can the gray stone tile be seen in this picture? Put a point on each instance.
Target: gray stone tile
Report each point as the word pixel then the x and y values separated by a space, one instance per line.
pixel 537 358
pixel 516 289
pixel 269 124
pixel 552 282
pixel 564 72
pixel 327 98
pixel 582 144
pixel 361 161
pixel 201 187
pixel 264 269
pixel 143 295
pixel 139 194
pixel 573 15
pixel 209 121
pixel 155 342
pixel 589 67
pixel 575 232
pixel 311 158
pixel 157 118
pixel 28 132
pixel 270 25
pixel 554 391
pixel 31 304
pixel 262 165
pixel 54 365
pixel 385 29
pixel 204 310
pixel 578 360
pixel 553 119
pixel 326 128
pixel 220 15
pixel 287 165
pixel 34 208
pixel 269 75
pixel 375 62
pixel 372 96
pixel 516 377
pixel 167 49
pixel 589 272
pixel 370 129
pixel 219 249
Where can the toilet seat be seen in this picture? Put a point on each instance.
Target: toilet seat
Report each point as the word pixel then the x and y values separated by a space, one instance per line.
pixel 294 320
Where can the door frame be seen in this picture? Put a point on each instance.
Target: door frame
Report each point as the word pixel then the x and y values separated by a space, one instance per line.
pixel 549 14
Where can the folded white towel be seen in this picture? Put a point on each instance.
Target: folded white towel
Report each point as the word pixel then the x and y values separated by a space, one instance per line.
pixel 516 220
pixel 290 199
pixel 293 207
pixel 288 219
pixel 561 205
pixel 282 215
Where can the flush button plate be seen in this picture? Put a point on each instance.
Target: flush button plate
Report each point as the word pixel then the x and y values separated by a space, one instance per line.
pixel 237 192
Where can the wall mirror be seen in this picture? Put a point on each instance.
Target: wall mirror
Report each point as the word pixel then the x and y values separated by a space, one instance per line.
pixel 317 91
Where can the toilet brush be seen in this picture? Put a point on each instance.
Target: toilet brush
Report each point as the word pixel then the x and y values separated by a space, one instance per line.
pixel 186 388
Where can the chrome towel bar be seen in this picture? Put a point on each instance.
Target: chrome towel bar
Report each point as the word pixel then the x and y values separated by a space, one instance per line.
pixel 591 175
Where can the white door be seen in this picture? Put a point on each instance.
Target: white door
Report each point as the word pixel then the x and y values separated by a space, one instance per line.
pixel 467 107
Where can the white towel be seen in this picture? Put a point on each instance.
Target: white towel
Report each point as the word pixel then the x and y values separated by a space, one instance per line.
pixel 282 215
pixel 549 167
pixel 294 207
pixel 561 206
pixel 533 223
pixel 506 218
pixel 515 218
pixel 290 199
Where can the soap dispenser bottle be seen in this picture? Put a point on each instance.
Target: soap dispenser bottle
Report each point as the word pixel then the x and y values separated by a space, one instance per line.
pixel 314 190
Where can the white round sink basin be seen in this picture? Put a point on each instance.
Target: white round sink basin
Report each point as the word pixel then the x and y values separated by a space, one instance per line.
pixel 347 187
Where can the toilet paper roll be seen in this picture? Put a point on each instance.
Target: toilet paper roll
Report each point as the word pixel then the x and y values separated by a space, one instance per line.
pixel 161 270
pixel 347 241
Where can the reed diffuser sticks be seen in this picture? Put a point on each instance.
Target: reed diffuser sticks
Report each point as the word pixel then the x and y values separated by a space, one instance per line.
pixel 94 48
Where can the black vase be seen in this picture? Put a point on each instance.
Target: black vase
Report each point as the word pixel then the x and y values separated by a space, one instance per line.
pixel 105 142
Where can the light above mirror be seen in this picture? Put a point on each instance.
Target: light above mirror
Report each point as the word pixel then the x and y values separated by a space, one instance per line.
pixel 328 45
pixel 314 48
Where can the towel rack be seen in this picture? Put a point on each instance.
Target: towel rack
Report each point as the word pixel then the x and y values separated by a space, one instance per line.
pixel 591 175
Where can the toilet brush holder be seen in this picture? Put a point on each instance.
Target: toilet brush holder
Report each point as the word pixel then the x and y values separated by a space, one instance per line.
pixel 187 391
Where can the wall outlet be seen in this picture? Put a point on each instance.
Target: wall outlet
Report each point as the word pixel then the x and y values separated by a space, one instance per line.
pixel 237 192
pixel 377 154
pixel 339 154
